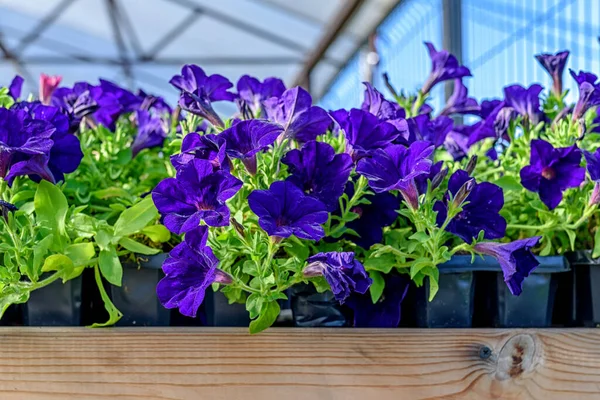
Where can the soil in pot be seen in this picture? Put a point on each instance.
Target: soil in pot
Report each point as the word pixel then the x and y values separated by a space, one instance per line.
pixel 313 309
pixel 58 304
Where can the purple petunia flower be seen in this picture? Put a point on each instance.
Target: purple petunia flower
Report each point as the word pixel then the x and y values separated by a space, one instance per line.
pixel 555 65
pixel 593 168
pixel 204 147
pixel 457 141
pixel 189 270
pixel 589 92
pixel 284 210
pixel 199 90
pixel 515 258
pixel 365 133
pixel 525 101
pixel 480 213
pixel 460 102
pixel 421 180
pixel 444 67
pixel 300 119
pixel 77 102
pixel 15 87
pixel 489 106
pixel 320 172
pixel 253 92
pixel 385 110
pixel 198 193
pixel 433 130
pixel 495 125
pixel 152 132
pixel 343 273
pixel 387 311
pixel 551 171
pixel 372 217
pixel 396 167
pixel 246 138
pixel 155 104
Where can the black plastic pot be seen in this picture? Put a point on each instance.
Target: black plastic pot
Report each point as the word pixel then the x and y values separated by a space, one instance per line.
pixel 452 306
pixel 136 298
pixel 534 307
pixel 220 313
pixel 313 309
pixel 57 304
pixel 586 288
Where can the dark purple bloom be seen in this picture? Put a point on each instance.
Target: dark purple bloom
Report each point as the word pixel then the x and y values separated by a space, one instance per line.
pixel 551 171
pixel 555 65
pixel 387 311
pixel 489 106
pixel 5 208
pixel 481 213
pixel 495 125
pixel 198 193
pixel 246 138
pixel 396 167
pixel 525 101
pixel 433 130
pixel 285 210
pixel 199 90
pixel 421 180
pixel 77 102
pixel 460 102
pixel 515 258
pixel 320 172
pixel 365 133
pixel 152 132
pixel 444 67
pixel 189 270
pixel 15 87
pixel 376 104
pixel 253 92
pixel 342 271
pixel 593 164
pixel 155 104
pixel 589 92
pixel 300 119
pixel 372 218
pixel 457 141
pixel 204 147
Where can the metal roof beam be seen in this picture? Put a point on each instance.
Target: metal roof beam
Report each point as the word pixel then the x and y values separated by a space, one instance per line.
pixel 113 12
pixel 221 60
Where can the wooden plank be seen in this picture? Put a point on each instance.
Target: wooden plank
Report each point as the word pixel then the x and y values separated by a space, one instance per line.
pixel 344 364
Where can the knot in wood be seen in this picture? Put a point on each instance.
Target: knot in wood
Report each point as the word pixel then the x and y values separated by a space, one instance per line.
pixel 517 357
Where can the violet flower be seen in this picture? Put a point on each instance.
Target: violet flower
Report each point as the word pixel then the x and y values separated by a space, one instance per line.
pixel 525 101
pixel 189 270
pixel 155 104
pixel 515 258
pixel 48 85
pixel 253 92
pixel 593 168
pixel 204 147
pixel 198 193
pixel 76 102
pixel 444 67
pixel 433 130
pixel 320 172
pixel 15 87
pixel 372 217
pixel 495 125
pixel 481 212
pixel 554 64
pixel 589 93
pixel 386 312
pixel 300 119
pixel 199 90
pixel 284 210
pixel 396 167
pixel 421 180
pixel 365 133
pixel 344 274
pixel 385 110
pixel 460 102
pixel 246 138
pixel 457 140
pixel 551 171
pixel 152 132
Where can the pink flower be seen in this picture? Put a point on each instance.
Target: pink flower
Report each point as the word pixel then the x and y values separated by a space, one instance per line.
pixel 48 85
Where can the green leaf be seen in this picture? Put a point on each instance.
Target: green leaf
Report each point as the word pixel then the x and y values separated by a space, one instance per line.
pixel 103 239
pixel 434 276
pixel 110 266
pixel 383 263
pixel 12 295
pixel 135 218
pixel 157 233
pixel 418 265
pixel 377 286
pixel 40 249
pixel 320 284
pixel 298 250
pixel 268 315
pixel 254 305
pixel 114 315
pixel 596 251
pixel 508 183
pixel 63 265
pixel 420 237
pixel 80 253
pixel 572 237
pixel 249 267
pixel 111 192
pixel 137 247
pixel 51 210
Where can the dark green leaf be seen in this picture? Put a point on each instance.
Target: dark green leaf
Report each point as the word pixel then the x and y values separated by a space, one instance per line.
pixel 377 286
pixel 383 263
pixel 268 315
pixel 113 313
pixel 137 247
pixel 508 183
pixel 298 250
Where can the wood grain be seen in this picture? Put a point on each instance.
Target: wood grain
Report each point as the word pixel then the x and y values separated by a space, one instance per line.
pixel 329 364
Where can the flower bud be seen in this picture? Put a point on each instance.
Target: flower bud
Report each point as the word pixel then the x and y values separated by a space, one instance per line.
pixel 471 165
pixel 313 269
pixel 595 198
pixel 463 192
pixel 223 277
pixel 5 208
pixel 411 195
pixel 238 227
pixel 438 178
